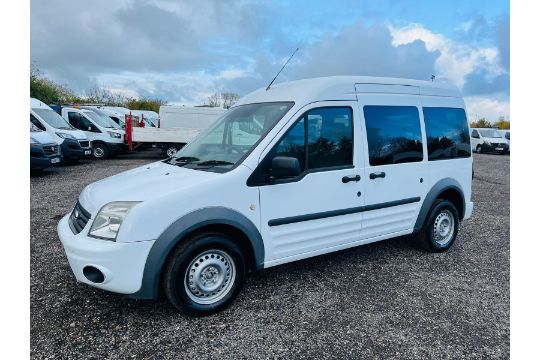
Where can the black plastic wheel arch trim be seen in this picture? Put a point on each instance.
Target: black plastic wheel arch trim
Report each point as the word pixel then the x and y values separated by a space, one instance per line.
pixel 182 227
pixel 437 189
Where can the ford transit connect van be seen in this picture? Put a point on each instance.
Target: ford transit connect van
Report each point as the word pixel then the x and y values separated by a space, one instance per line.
pixel 305 168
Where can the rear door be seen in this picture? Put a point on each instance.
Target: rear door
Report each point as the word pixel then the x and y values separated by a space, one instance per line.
pixel 395 162
pixel 318 211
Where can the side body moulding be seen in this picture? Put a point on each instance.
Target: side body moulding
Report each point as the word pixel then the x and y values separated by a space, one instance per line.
pixel 186 225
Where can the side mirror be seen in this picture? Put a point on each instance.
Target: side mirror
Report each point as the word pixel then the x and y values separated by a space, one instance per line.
pixel 285 167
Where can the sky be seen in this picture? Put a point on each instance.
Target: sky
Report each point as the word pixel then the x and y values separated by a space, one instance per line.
pixel 183 51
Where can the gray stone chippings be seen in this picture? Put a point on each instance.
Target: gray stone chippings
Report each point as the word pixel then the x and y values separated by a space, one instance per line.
pixel 380 301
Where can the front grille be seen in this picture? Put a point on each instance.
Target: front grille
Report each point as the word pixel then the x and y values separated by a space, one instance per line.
pixel 84 143
pixel 78 219
pixel 51 150
pixel 498 144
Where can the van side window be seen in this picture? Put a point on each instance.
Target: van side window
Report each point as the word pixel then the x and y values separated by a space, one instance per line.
pixel 394 135
pixel 78 121
pixel 475 134
pixel 447 133
pixel 37 123
pixel 293 144
pixel 330 137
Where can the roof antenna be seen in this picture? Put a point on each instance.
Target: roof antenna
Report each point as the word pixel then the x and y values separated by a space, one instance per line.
pixel 279 72
pixel 432 78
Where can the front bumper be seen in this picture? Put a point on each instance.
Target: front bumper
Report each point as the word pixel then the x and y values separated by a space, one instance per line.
pixel 72 150
pixel 122 264
pixel 499 148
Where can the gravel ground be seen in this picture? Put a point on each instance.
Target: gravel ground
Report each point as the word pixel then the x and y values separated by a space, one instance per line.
pixel 379 301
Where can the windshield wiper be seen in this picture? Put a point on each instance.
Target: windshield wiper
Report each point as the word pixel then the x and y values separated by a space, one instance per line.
pixel 181 161
pixel 214 163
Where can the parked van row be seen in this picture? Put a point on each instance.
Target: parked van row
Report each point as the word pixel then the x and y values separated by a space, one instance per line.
pixel 292 171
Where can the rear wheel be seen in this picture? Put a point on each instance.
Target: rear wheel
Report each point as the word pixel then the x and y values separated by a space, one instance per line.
pixel 441 227
pixel 205 274
pixel 100 151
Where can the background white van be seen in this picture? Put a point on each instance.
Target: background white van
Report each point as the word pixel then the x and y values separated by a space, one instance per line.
pixel 105 135
pixel 488 140
pixel 74 143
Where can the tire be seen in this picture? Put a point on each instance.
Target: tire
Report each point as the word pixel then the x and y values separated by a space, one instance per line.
pixel 478 149
pixel 441 227
pixel 205 274
pixel 170 150
pixel 100 151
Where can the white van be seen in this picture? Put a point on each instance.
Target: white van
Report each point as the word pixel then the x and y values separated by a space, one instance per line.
pixel 319 165
pixel 73 143
pixel 505 134
pixel 44 151
pixel 485 140
pixel 105 135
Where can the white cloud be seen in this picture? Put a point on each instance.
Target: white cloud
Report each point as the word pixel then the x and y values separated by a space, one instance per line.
pixel 456 60
pixel 489 108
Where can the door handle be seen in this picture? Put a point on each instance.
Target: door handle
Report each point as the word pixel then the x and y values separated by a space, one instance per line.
pixel 381 174
pixel 347 179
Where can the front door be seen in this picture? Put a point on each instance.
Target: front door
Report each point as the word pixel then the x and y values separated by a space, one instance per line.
pixel 395 163
pixel 317 211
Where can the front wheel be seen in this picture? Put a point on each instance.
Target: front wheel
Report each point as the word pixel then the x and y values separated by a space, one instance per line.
pixel 100 151
pixel 479 149
pixel 205 274
pixel 441 228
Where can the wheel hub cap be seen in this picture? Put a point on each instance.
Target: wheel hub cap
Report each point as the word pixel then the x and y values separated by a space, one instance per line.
pixel 443 227
pixel 209 277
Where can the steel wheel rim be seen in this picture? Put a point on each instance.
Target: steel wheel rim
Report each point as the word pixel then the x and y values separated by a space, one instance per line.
pixel 210 277
pixel 444 227
pixel 171 152
pixel 99 152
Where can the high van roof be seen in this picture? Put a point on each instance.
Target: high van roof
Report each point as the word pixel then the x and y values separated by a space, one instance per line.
pixel 343 88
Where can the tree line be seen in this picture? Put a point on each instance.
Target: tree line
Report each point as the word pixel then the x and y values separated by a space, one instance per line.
pixel 501 124
pixel 50 92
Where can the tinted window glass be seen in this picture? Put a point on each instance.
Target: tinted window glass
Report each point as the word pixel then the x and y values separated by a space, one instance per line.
pixel 393 134
pixel 78 121
pixel 475 134
pixel 36 122
pixel 293 144
pixel 330 137
pixel 507 136
pixel 447 133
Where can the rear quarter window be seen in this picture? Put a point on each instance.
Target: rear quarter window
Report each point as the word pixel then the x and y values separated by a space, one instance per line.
pixel 394 135
pixel 447 133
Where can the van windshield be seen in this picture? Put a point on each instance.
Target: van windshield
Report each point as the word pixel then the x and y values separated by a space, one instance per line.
pixel 53 119
pixel 103 121
pixel 489 133
pixel 231 137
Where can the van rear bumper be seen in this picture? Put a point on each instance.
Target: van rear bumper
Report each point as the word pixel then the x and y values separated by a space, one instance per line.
pixel 468 210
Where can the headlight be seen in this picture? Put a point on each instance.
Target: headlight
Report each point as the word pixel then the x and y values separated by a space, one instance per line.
pixel 487 143
pixel 65 135
pixel 109 218
pixel 114 135
pixel 33 141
